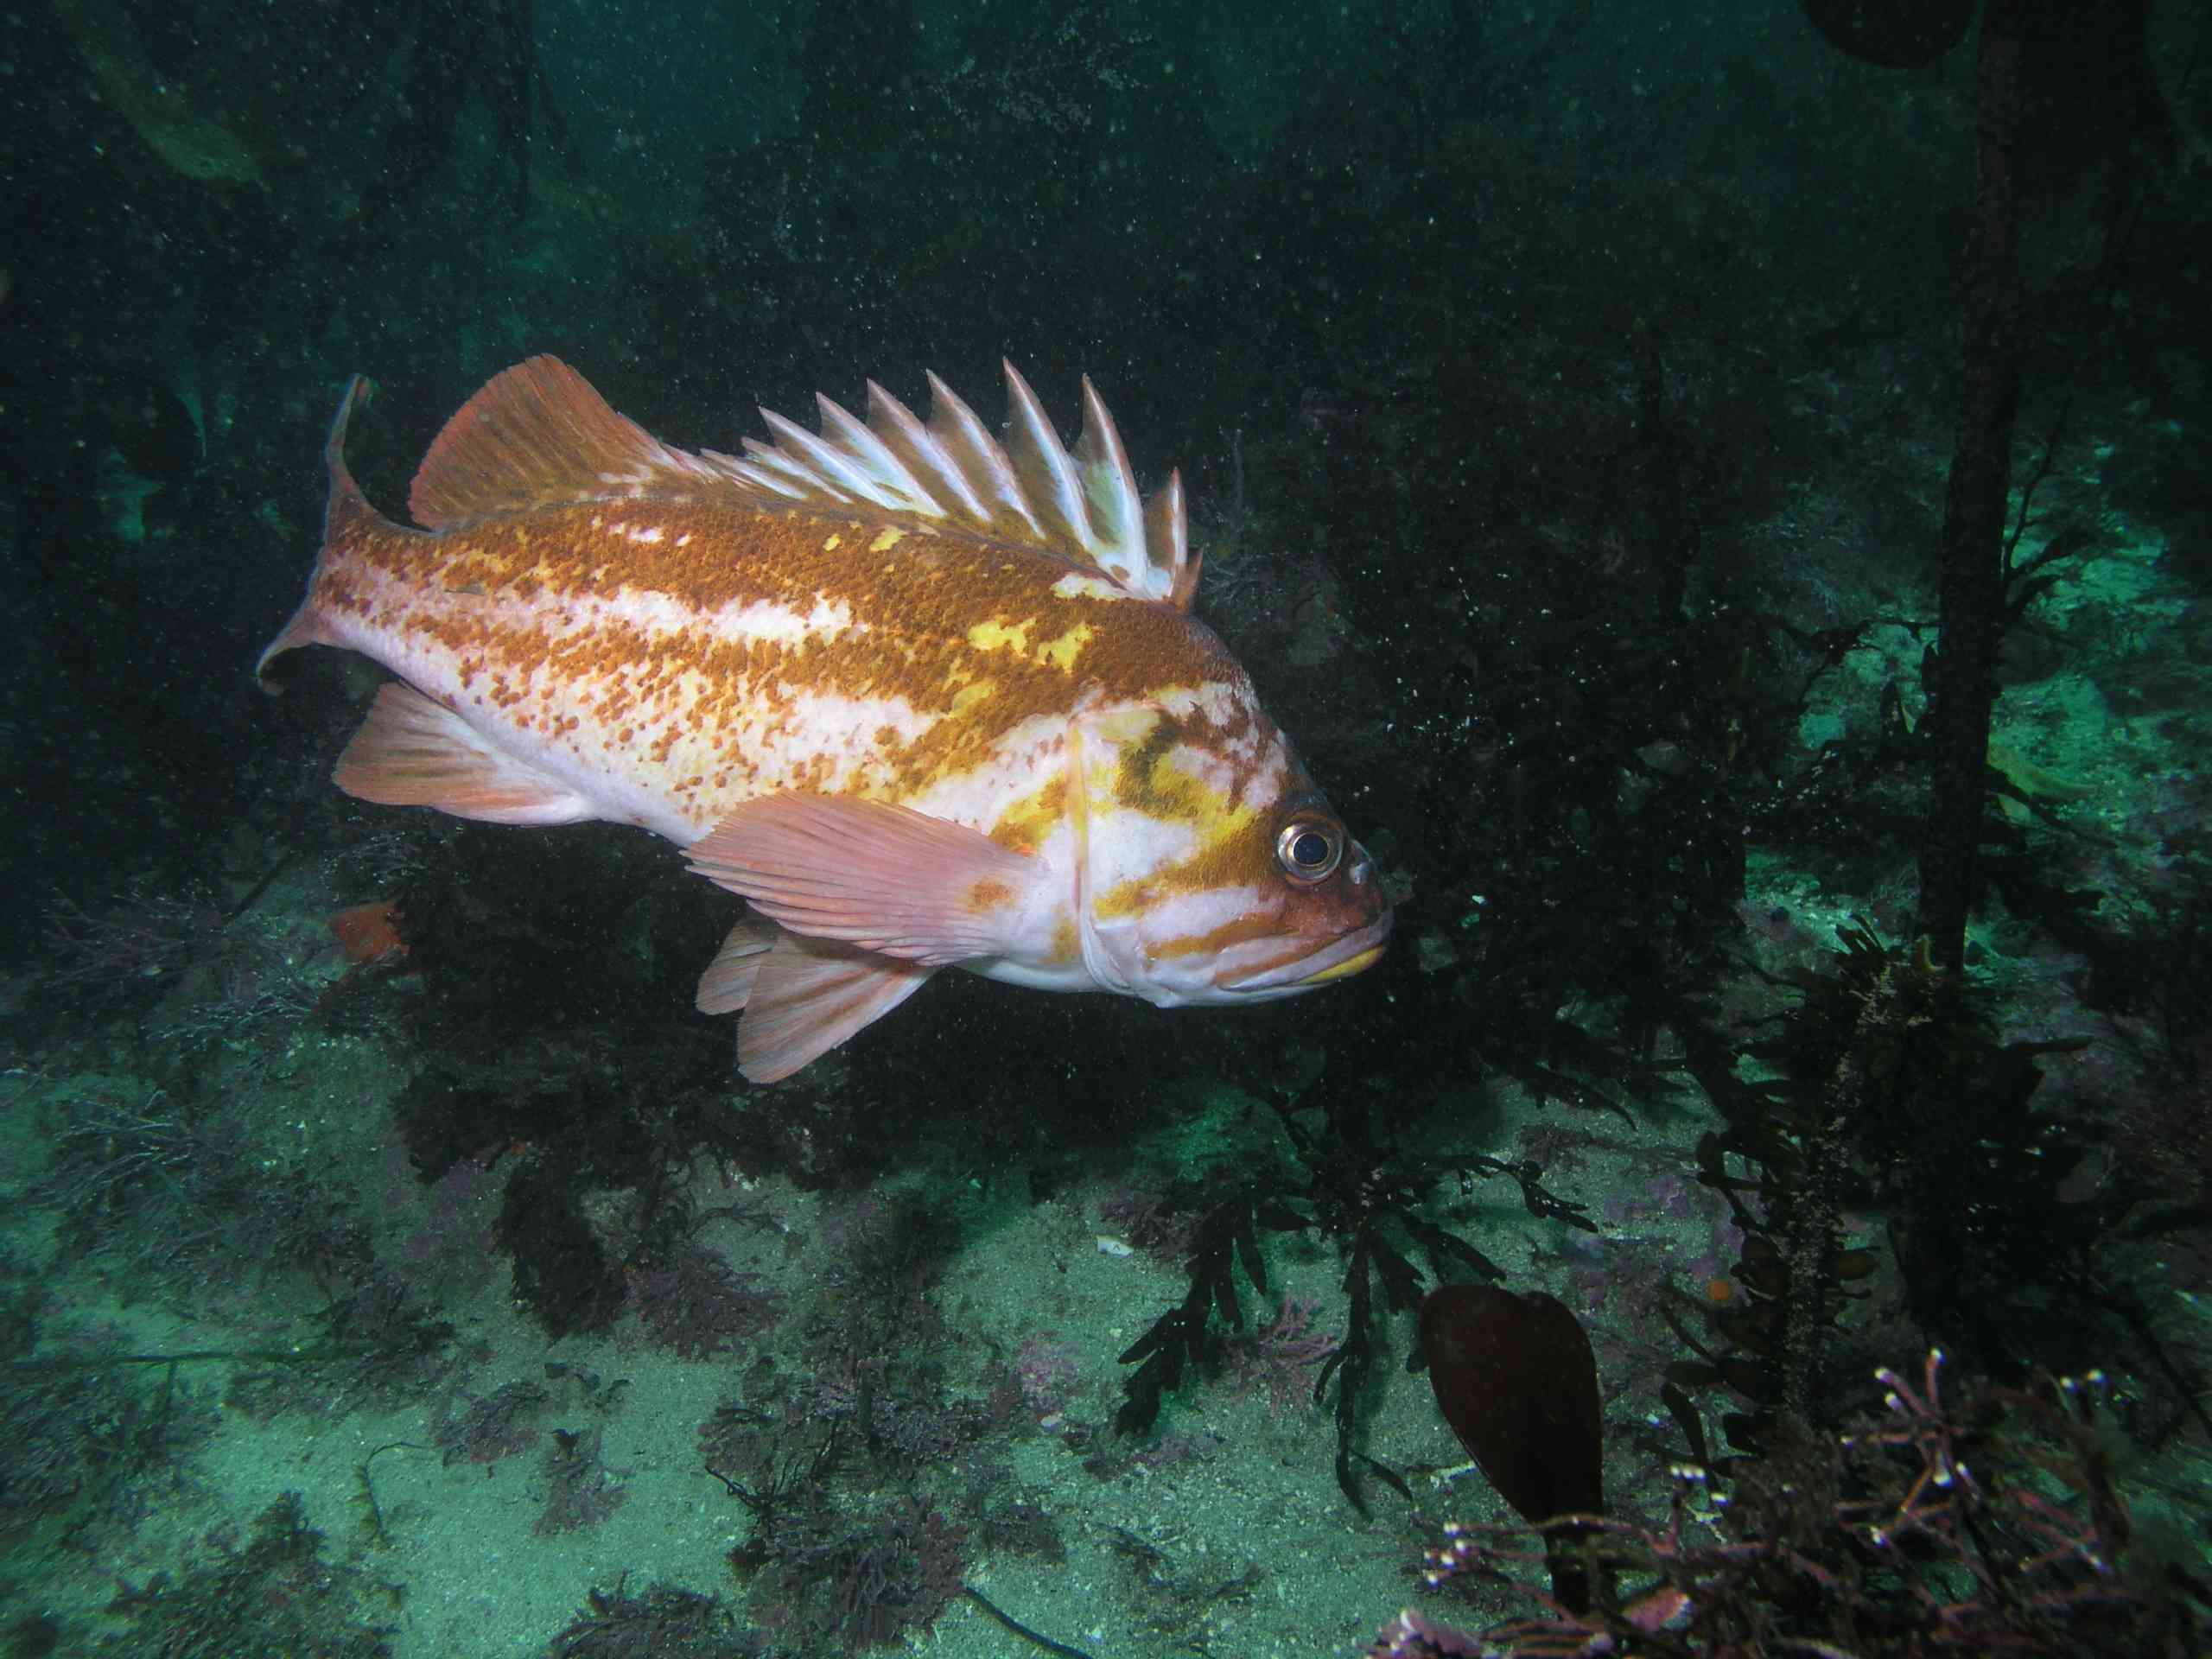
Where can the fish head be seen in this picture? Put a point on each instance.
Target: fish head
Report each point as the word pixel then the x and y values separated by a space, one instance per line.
pixel 1216 872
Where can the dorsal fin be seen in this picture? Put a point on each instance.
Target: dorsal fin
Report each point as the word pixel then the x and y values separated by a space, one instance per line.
pixel 537 435
pixel 1082 505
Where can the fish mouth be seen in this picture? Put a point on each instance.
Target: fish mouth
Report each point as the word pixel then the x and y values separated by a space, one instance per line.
pixel 1343 956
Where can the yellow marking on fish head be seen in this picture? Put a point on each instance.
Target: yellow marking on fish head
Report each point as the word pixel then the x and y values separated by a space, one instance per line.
pixel 1347 967
pixel 1167 775
pixel 1220 873
pixel 1026 825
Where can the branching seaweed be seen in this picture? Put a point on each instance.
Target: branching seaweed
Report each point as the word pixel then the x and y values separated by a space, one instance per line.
pixel 275 1592
pixel 1891 1091
pixel 1366 1194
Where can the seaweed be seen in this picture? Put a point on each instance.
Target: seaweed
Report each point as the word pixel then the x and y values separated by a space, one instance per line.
pixel 486 1428
pixel 697 1306
pixel 274 1594
pixel 837 1581
pixel 1891 1091
pixel 574 1135
pixel 582 1491
pixel 564 1275
pixel 1959 1518
pixel 1361 1189
pixel 834 1565
pixel 182 1194
pixel 88 1444
pixel 666 1622
pixel 1183 1335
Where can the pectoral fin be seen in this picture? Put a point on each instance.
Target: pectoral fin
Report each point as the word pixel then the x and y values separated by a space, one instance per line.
pixel 889 879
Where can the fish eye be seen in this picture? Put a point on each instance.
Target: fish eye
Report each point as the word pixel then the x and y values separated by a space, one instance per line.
pixel 1309 851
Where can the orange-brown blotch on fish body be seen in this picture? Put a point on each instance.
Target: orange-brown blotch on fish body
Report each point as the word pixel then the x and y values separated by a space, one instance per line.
pixel 922 698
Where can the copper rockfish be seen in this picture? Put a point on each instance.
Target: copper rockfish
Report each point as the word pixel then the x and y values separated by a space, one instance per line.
pixel 922 698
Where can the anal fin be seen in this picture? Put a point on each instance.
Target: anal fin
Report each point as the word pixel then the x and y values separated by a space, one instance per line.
pixel 414 752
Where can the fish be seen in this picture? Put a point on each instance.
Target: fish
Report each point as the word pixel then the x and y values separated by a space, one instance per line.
pixel 921 697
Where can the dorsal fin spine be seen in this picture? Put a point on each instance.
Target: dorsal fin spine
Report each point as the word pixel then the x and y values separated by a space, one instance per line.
pixel 1109 491
pixel 1167 542
pixel 741 471
pixel 923 453
pixel 1046 470
pixel 980 455
pixel 880 459
pixel 771 458
pixel 838 470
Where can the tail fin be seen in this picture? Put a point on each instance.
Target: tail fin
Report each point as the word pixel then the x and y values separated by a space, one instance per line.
pixel 346 511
